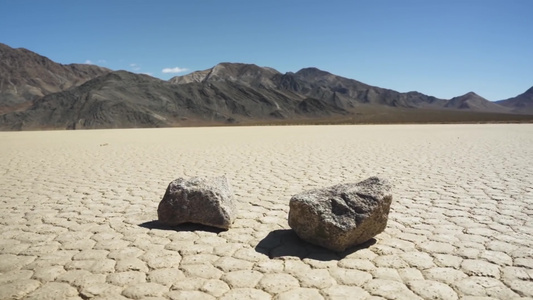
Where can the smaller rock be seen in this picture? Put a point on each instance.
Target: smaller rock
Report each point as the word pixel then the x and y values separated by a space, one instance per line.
pixel 343 215
pixel 206 201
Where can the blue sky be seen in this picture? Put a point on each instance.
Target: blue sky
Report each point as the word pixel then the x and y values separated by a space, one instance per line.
pixel 440 48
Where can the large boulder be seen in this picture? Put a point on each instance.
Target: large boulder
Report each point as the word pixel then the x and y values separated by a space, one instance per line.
pixel 343 215
pixel 207 201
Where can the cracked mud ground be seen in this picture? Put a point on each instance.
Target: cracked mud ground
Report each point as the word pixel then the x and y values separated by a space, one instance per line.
pixel 78 211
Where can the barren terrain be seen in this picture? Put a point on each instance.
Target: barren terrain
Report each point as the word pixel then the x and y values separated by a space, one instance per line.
pixel 78 213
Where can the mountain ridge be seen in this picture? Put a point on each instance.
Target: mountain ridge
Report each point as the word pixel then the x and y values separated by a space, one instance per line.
pixel 522 103
pixel 227 93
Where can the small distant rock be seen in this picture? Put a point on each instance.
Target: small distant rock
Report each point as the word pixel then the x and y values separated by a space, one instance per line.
pixel 343 215
pixel 207 201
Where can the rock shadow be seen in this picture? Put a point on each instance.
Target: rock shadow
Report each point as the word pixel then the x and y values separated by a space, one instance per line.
pixel 285 242
pixel 155 224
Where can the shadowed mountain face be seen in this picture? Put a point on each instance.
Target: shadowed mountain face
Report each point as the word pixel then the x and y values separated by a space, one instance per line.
pixel 26 76
pixel 348 93
pixel 522 103
pixel 84 96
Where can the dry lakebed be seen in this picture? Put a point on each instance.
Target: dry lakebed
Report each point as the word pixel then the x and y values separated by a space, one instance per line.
pixel 78 213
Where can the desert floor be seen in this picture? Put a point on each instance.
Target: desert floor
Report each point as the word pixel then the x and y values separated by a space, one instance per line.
pixel 79 208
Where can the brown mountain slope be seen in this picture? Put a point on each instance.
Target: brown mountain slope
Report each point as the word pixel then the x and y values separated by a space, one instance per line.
pixel 349 93
pixel 474 102
pixel 64 98
pixel 312 83
pixel 26 76
pixel 522 103
pixel 121 99
pixel 246 74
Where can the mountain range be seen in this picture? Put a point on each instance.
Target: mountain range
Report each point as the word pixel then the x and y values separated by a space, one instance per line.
pixel 37 93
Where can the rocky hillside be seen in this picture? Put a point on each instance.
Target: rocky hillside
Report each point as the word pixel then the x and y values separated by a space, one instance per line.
pixel 40 94
pixel 26 76
pixel 472 101
pixel 121 99
pixel 310 83
pixel 522 103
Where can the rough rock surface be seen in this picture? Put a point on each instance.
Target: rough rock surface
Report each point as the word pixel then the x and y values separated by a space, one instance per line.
pixel 343 215
pixel 208 201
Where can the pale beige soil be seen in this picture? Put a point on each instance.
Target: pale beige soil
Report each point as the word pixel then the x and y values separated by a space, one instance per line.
pixel 77 211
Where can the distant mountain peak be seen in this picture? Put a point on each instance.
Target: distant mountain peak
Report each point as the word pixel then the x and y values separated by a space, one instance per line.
pixel 468 97
pixel 239 69
pixel 249 74
pixel 473 101
pixel 312 71
pixel 227 64
pixel 470 94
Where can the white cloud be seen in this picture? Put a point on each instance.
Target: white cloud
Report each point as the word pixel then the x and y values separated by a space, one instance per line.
pixel 135 67
pixel 174 70
pixel 90 62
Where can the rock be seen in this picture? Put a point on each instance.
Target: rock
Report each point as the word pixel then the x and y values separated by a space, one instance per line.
pixel 343 215
pixel 206 201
